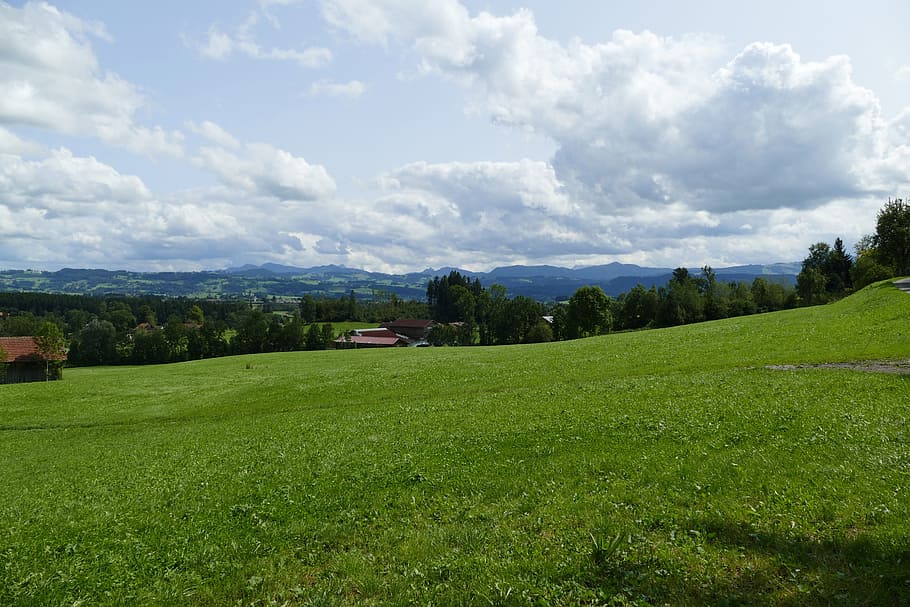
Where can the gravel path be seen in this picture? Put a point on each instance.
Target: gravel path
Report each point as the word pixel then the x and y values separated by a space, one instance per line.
pixel 900 367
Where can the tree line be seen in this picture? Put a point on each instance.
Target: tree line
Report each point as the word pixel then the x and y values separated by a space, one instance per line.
pixel 475 315
pixel 470 314
pixel 149 329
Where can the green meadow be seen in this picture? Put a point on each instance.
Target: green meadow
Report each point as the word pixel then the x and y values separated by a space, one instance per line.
pixel 658 467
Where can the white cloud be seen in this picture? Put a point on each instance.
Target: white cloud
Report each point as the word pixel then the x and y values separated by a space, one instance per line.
pixel 50 78
pixel 77 211
pixel 265 170
pixel 219 45
pixel 10 143
pixel 214 133
pixel 327 88
pixel 643 120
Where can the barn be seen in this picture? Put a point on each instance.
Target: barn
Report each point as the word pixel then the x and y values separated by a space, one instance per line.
pixel 24 362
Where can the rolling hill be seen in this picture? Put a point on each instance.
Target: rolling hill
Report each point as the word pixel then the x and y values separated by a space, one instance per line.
pixel 707 464
pixel 544 283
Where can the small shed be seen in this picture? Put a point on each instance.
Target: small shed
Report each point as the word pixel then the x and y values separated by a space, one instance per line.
pixel 24 362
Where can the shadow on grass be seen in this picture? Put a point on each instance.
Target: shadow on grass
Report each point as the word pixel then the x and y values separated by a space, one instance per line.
pixel 769 568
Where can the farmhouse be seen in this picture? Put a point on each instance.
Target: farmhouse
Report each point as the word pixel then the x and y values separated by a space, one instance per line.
pixel 413 328
pixel 24 362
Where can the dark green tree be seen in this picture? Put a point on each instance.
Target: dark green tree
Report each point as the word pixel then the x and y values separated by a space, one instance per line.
pixel 868 267
pixel 716 295
pixel 95 344
pixel 328 335
pixel 680 301
pixel 588 313
pixel 639 307
pixel 840 266
pixel 252 334
pixel 308 309
pixel 892 236
pixel 811 286
pixel 314 338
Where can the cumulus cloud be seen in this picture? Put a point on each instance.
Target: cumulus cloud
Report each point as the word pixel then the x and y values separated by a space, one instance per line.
pixel 327 88
pixel 645 121
pixel 220 45
pixel 66 209
pixel 50 79
pixel 262 169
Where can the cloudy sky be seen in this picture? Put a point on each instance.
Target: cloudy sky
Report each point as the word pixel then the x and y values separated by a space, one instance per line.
pixel 397 135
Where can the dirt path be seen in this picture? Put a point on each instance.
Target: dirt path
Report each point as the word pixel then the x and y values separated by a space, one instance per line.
pixel 900 367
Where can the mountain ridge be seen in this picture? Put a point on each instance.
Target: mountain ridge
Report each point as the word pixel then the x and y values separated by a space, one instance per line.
pixel 541 282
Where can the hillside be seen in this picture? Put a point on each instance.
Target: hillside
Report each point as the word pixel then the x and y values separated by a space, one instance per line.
pixel 667 466
pixel 544 283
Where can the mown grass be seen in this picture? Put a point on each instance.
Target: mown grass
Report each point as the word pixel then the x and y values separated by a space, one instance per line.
pixel 660 467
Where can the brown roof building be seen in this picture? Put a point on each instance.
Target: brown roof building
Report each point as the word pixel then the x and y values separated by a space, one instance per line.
pixel 415 328
pixel 24 362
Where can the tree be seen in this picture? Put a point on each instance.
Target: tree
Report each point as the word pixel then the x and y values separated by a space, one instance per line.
pixel 892 236
pixel 328 335
pixel 51 349
pixel 868 268
pixel 810 285
pixel 308 309
pixel 588 313
pixel 539 333
pixel 639 307
pixel 252 334
pixel 768 296
pixel 680 301
pixel 95 344
pixel 196 315
pixel 443 297
pixel 826 272
pixel 314 338
pixel 839 268
pixel 717 296
pixel 443 335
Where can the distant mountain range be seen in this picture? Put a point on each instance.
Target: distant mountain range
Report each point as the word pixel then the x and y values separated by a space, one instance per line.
pixel 544 283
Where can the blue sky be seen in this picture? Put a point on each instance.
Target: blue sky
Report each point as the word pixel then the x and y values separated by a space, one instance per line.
pixel 398 134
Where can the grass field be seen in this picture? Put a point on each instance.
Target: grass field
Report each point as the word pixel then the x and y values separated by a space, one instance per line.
pixel 659 467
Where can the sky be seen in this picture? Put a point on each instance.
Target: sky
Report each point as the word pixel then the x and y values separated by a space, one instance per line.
pixel 397 135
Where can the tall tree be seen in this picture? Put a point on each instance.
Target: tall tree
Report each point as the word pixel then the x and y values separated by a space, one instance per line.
pixel 680 301
pixel 308 309
pixel 892 235
pixel 868 267
pixel 639 307
pixel 588 313
pixel 839 268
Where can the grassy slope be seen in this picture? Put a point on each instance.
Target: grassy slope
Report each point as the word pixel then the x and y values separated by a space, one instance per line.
pixel 475 476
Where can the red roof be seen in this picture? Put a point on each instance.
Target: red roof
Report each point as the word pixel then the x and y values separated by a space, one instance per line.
pixel 381 332
pixel 21 349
